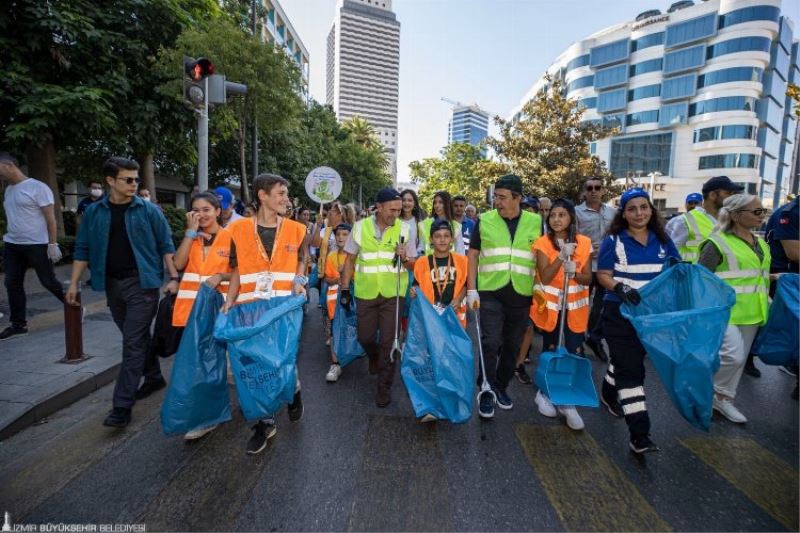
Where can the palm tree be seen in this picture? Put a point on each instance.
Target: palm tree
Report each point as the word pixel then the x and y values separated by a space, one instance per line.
pixel 362 131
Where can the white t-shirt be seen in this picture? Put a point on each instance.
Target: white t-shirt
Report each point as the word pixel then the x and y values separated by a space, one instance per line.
pixel 234 217
pixel 23 204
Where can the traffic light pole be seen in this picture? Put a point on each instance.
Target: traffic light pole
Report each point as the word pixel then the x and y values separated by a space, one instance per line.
pixel 202 142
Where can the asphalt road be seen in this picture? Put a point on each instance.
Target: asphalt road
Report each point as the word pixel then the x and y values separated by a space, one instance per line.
pixel 348 465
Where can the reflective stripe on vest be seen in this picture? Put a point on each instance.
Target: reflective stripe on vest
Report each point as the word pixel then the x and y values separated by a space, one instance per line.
pixel 624 268
pixel 501 260
pixel 699 226
pixel 198 270
pixel 749 278
pixel 545 315
pixel 374 272
pixel 424 234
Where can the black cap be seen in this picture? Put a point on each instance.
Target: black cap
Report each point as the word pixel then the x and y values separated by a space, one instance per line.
pixel 530 201
pixel 721 183
pixel 440 223
pixel 387 194
pixel 347 227
pixel 509 182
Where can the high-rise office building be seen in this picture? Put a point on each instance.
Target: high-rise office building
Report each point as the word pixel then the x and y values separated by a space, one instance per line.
pixel 363 69
pixel 279 31
pixel 469 124
pixel 697 91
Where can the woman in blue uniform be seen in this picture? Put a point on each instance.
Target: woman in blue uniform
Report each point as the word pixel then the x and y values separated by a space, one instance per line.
pixel 632 254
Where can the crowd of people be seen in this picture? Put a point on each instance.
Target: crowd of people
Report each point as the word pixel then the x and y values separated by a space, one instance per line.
pixel 528 264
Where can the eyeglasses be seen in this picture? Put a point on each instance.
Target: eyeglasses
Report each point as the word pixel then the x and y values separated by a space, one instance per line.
pixel 757 212
pixel 594 188
pixel 130 180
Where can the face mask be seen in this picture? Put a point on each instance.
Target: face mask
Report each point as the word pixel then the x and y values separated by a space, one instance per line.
pixel 96 193
pixel 146 199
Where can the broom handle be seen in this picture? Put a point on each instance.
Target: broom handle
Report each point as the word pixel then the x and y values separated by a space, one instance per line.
pixel 563 311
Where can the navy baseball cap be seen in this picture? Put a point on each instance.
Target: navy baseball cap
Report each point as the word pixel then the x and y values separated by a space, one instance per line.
pixel 387 194
pixel 440 223
pixel 721 182
pixel 695 197
pixel 630 194
pixel 225 196
pixel 530 201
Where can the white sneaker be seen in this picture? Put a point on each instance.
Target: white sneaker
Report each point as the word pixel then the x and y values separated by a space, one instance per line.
pixel 199 432
pixel 728 410
pixel 428 418
pixel 574 420
pixel 545 406
pixel 333 373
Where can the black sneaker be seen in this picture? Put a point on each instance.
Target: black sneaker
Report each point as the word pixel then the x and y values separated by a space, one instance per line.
pixel 295 408
pixel 149 387
pixel 642 444
pixel 262 432
pixel 119 417
pixel 522 375
pixel 13 331
pixel 486 406
pixel 597 349
pixel 504 400
pixel 613 406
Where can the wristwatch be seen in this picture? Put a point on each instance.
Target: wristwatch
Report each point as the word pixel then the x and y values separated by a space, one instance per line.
pixel 175 278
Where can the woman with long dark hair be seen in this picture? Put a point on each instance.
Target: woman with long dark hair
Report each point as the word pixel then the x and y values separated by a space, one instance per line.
pixel 442 209
pixel 631 255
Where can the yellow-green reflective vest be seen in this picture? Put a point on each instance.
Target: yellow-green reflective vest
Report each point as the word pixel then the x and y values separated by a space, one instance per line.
pixel 424 234
pixel 374 273
pixel 699 226
pixel 501 260
pixel 749 278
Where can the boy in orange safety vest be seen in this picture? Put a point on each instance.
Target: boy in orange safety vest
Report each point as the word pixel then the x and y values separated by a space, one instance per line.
pixel 442 275
pixel 334 265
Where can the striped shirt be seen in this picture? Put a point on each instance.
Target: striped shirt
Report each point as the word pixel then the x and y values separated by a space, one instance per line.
pixel 632 263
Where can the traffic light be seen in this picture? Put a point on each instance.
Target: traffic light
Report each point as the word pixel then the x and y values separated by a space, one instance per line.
pixel 195 73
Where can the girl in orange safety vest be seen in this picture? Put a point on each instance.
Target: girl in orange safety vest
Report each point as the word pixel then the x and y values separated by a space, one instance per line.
pixel 202 255
pixel 334 264
pixel 555 258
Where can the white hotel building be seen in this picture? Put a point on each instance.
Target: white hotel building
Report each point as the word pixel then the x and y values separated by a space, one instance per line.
pixel 697 91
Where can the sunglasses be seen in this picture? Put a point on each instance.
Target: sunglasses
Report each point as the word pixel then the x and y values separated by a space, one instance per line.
pixel 594 187
pixel 757 212
pixel 130 181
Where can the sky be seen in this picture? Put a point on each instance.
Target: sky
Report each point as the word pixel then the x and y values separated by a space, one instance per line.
pixel 488 52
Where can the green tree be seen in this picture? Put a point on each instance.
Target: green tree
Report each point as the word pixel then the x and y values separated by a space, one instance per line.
pixel 361 131
pixel 460 169
pixel 548 147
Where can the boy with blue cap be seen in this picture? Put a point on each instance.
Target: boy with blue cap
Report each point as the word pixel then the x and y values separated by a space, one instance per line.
pixel 226 202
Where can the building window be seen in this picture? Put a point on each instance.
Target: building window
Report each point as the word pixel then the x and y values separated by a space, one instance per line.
pixel 580 61
pixel 691 30
pixel 650 65
pixel 613 121
pixel 725 103
pixel 741 44
pixel 646 41
pixel 592 148
pixel 610 53
pixel 673 114
pixel 680 87
pixel 648 91
pixel 580 83
pixel 588 103
pixel 641 154
pixel 641 117
pixel 611 77
pixel 611 100
pixel 749 14
pixel 728 75
pixel 719 133
pixel 728 161
pixel 684 59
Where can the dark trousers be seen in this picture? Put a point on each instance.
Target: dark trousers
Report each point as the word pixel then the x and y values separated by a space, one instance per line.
pixel 502 328
pixel 376 334
pixel 17 259
pixel 594 330
pixel 133 309
pixel 625 376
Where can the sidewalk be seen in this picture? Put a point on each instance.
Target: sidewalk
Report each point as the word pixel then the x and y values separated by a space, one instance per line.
pixel 33 383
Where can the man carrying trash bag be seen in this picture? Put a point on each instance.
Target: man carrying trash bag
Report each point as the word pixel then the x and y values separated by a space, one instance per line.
pixel 377 248
pixel 268 256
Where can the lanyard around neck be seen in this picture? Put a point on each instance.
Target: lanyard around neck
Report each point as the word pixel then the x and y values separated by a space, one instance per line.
pixel 444 279
pixel 261 250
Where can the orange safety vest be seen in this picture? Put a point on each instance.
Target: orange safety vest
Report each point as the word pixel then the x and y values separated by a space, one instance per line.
pixel 545 315
pixel 198 270
pixel 252 261
pixel 332 265
pixel 422 273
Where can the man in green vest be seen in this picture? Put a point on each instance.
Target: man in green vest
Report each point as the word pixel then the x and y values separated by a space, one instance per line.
pixel 500 281
pixel 377 250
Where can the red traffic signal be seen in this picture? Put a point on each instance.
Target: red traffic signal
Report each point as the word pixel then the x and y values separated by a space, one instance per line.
pixel 199 69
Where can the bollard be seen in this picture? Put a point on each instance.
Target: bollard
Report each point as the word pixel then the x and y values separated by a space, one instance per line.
pixel 73 330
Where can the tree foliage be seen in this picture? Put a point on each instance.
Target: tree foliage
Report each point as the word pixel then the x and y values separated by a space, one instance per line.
pixel 548 147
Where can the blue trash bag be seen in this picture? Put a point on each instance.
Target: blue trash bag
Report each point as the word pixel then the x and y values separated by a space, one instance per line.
pixel 681 321
pixel 314 279
pixel 263 337
pixel 437 365
pixel 777 342
pixel 197 396
pixel 345 334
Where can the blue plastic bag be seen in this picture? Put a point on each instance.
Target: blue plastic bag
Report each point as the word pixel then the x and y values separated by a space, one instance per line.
pixel 345 334
pixel 777 343
pixel 263 337
pixel 437 365
pixel 681 321
pixel 313 278
pixel 197 396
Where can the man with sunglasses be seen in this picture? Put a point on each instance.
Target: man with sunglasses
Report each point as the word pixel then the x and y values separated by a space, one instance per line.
pixel 126 242
pixel 594 218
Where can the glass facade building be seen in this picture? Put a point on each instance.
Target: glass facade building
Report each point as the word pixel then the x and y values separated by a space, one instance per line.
pixel 469 124
pixel 695 92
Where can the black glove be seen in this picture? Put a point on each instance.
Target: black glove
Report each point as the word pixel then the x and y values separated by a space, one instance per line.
pixel 344 298
pixel 627 294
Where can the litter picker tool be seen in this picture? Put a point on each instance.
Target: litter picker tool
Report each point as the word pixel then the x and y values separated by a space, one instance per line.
pixel 485 387
pixel 396 343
